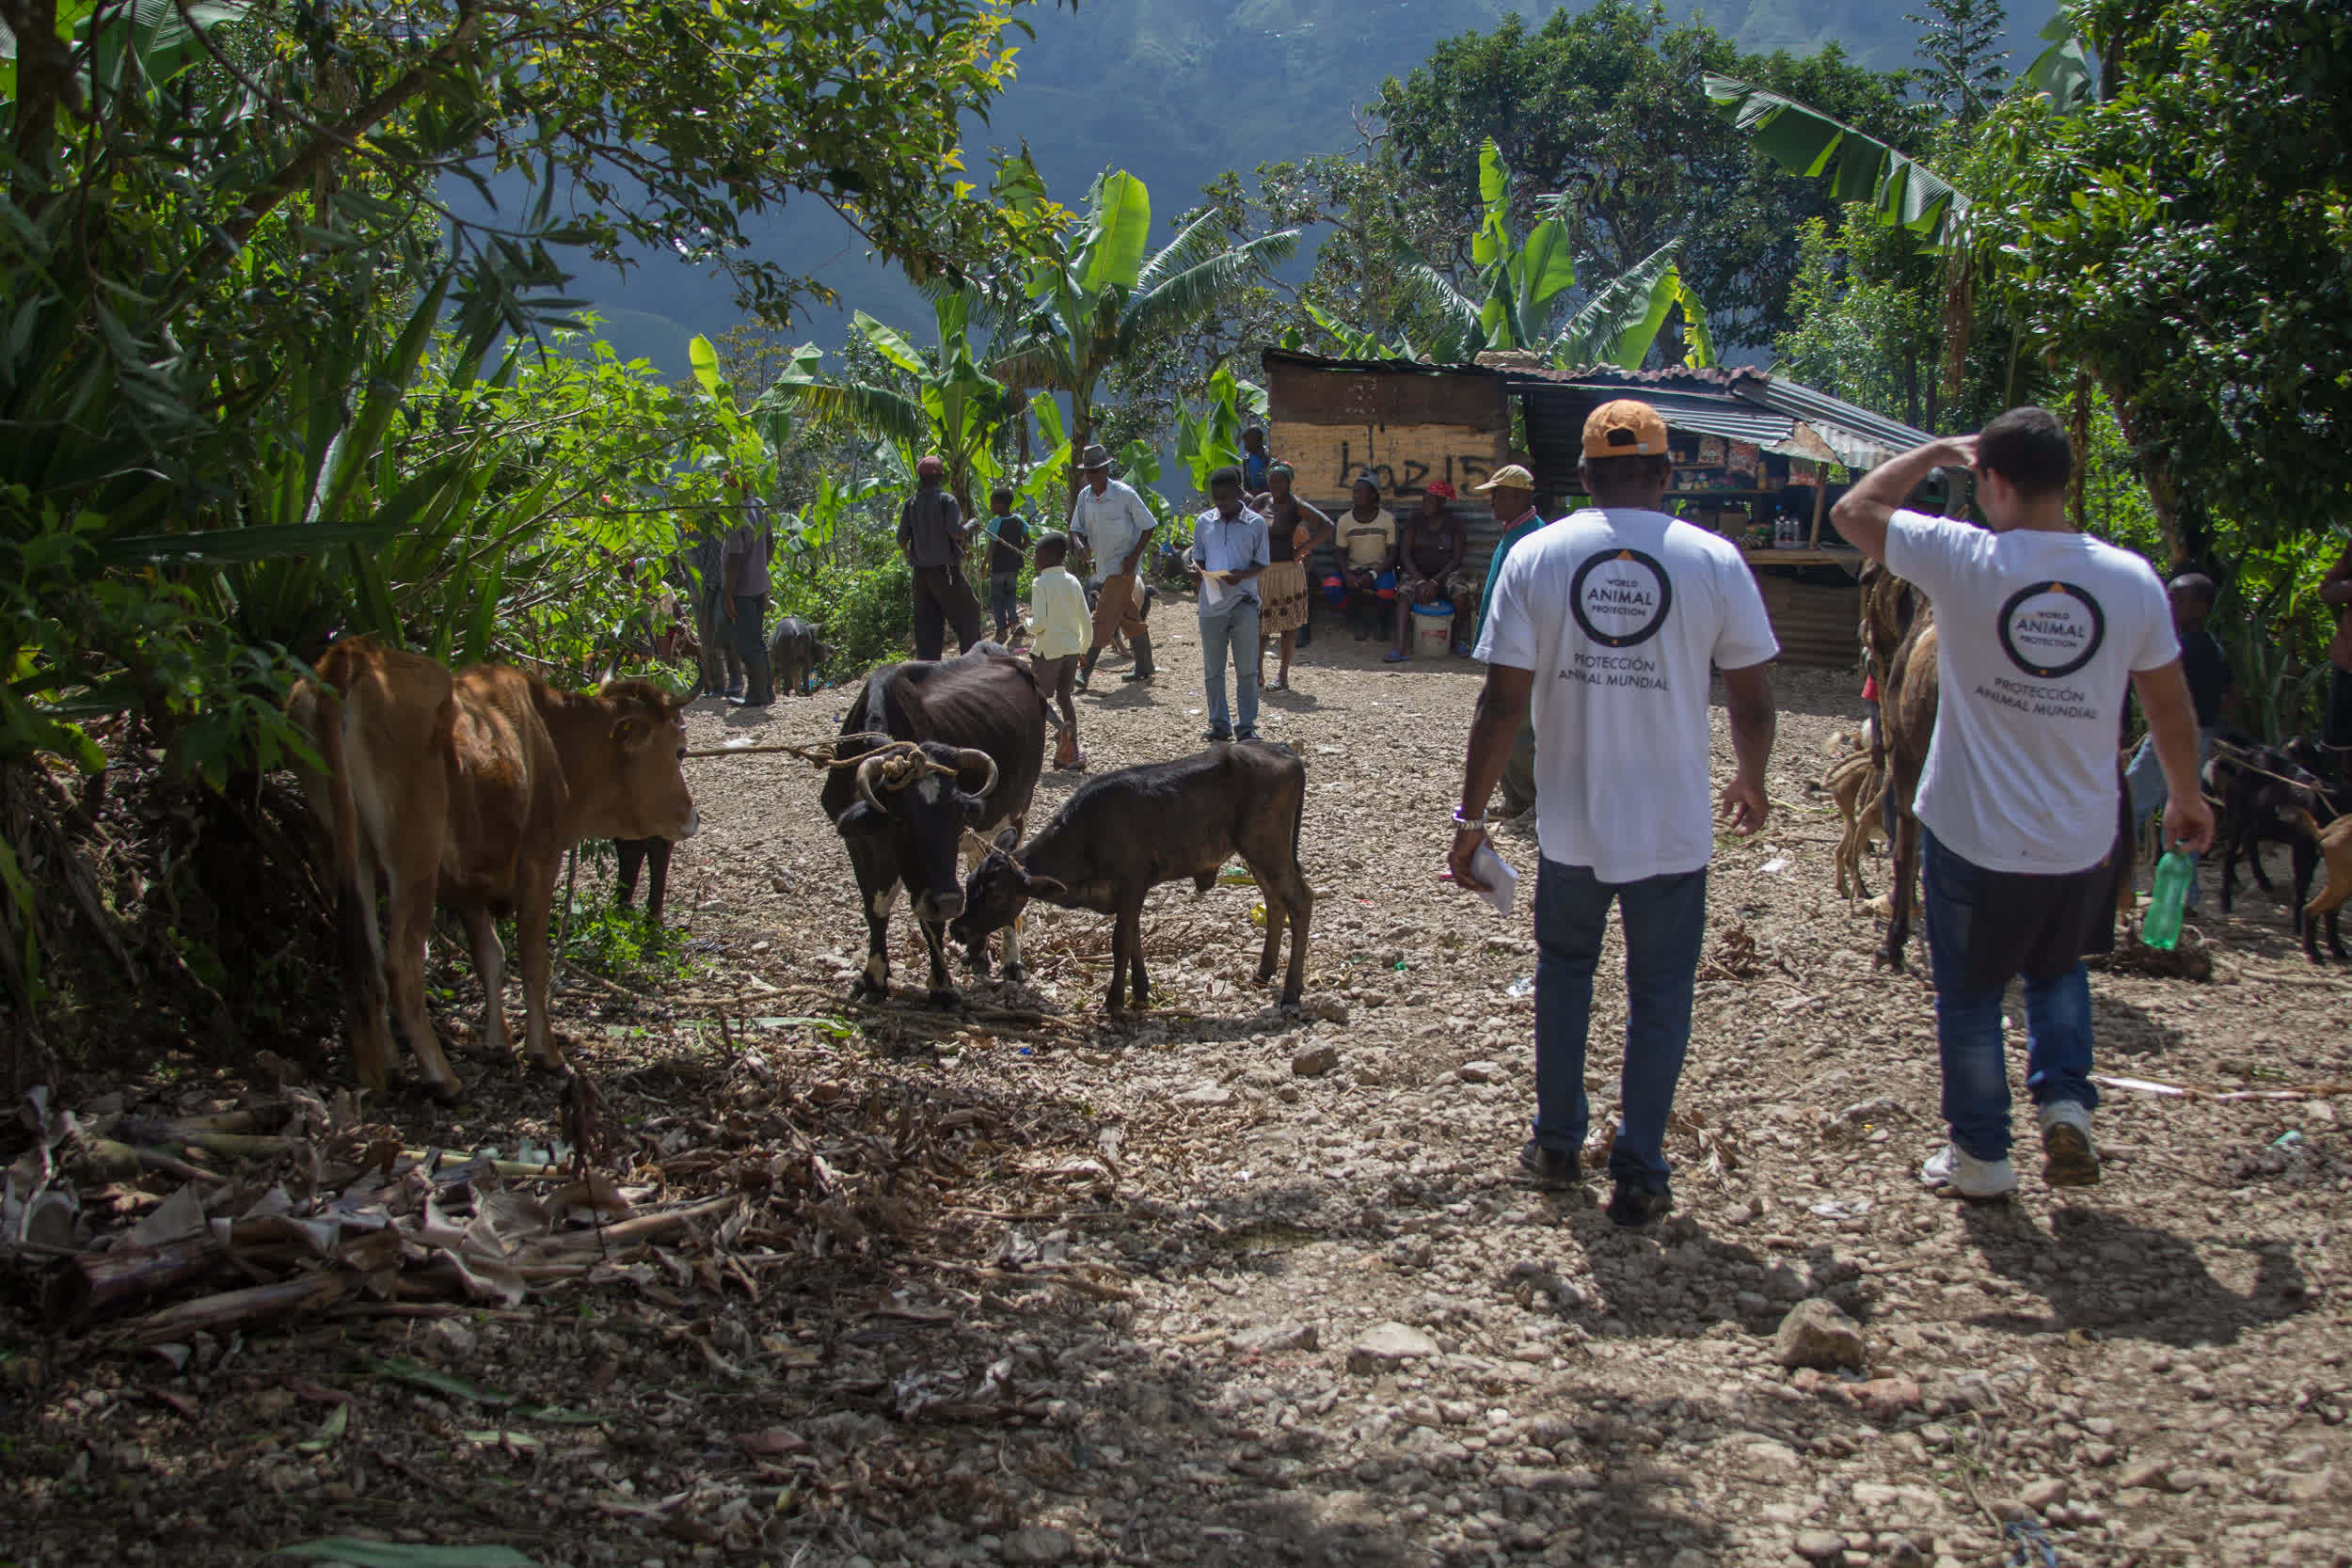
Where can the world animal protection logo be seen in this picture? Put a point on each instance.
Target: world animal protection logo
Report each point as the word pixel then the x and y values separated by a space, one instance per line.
pixel 2052 630
pixel 1620 597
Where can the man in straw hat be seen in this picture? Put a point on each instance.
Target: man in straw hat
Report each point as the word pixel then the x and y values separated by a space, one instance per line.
pixel 932 532
pixel 1621 611
pixel 1116 527
pixel 1511 496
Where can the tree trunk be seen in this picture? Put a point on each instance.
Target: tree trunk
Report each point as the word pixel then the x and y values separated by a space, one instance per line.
pixel 2156 470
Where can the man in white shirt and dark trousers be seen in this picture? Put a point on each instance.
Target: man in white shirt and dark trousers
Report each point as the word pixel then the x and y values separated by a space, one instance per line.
pixel 1605 624
pixel 2038 630
pixel 1230 550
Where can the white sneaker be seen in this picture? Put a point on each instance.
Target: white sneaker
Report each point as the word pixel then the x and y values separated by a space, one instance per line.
pixel 2069 1158
pixel 1954 1169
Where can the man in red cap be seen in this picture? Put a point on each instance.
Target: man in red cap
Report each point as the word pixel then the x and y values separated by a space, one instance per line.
pixel 1429 569
pixel 932 532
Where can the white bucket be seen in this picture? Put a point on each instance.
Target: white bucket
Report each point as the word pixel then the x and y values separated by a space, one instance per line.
pixel 1433 629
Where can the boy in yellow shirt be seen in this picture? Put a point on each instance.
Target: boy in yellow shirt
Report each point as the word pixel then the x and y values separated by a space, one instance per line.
pixel 1059 625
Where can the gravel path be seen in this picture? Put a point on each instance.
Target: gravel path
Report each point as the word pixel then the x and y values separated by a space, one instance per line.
pixel 1231 1287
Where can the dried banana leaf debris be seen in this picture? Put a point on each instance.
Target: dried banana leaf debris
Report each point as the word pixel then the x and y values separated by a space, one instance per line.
pixel 394 1223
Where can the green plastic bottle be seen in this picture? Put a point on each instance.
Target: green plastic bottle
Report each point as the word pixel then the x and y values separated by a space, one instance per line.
pixel 2161 927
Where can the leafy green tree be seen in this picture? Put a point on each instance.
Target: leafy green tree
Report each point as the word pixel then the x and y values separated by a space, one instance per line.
pixel 2184 237
pixel 1094 298
pixel 224 428
pixel 1965 70
pixel 1604 110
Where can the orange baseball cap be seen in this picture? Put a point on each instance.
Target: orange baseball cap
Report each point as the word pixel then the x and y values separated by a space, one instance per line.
pixel 1626 428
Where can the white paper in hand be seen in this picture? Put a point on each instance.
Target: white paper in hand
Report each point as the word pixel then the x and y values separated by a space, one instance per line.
pixel 1502 883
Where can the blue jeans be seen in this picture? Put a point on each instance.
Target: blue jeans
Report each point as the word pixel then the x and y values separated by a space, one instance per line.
pixel 1968 1022
pixel 2144 779
pixel 1004 598
pixel 1234 627
pixel 1665 924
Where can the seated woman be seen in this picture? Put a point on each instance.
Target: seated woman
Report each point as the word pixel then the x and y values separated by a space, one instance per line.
pixel 1430 570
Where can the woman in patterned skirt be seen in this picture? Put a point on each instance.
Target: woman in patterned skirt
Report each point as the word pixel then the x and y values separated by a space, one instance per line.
pixel 1294 529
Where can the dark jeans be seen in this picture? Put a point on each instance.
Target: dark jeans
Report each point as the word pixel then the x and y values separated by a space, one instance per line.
pixel 717 635
pixel 1665 925
pixel 750 646
pixel 1004 600
pixel 1968 1022
pixel 942 599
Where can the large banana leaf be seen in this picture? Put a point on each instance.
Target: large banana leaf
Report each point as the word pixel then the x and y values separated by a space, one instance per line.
pixel 1118 232
pixel 158 37
pixel 2063 70
pixel 1493 242
pixel 1904 192
pixel 1618 324
pixel 891 345
pixel 1545 269
pixel 1698 341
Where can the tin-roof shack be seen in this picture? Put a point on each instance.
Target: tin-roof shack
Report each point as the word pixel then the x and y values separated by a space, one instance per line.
pixel 1756 458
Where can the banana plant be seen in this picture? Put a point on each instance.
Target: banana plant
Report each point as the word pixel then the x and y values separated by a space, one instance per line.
pixel 1517 282
pixel 959 410
pixel 1098 298
pixel 1211 439
pixel 1620 322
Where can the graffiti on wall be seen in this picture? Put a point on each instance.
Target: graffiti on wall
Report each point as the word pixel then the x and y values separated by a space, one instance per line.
pixel 1405 460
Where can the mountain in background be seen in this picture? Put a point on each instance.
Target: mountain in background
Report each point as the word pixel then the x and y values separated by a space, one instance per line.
pixel 1177 92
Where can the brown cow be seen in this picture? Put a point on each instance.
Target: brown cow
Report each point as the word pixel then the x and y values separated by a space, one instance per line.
pixel 1899 647
pixel 467 789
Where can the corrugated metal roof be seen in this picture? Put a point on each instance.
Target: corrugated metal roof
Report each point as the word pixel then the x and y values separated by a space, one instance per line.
pixel 1739 402
pixel 1860 439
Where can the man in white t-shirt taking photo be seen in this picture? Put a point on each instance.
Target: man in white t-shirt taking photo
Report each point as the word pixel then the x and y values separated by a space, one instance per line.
pixel 2038 630
pixel 1605 624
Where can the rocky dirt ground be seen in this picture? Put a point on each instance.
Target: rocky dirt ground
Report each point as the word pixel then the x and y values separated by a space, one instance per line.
pixel 1225 1286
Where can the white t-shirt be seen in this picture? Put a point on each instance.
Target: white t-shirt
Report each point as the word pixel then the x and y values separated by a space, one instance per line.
pixel 2037 638
pixel 1619 613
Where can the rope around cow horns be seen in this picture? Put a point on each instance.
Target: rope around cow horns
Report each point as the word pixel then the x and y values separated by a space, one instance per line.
pixel 893 764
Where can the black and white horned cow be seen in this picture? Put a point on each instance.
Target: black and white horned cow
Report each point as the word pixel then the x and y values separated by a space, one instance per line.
pixel 1123 834
pixel 965 743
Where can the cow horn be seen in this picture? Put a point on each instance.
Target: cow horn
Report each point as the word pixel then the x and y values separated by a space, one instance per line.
pixel 973 756
pixel 865 772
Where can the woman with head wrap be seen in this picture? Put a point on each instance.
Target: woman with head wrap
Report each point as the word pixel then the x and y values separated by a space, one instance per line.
pixel 1294 529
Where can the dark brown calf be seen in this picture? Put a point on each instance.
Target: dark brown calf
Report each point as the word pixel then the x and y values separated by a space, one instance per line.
pixel 1123 834
pixel 466 789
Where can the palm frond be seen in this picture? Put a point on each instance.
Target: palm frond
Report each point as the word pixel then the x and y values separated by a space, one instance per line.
pixel 1446 320
pixel 876 410
pixel 1185 296
pixel 1203 240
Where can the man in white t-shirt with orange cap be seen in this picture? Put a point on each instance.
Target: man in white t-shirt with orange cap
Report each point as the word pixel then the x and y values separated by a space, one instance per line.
pixel 1605 625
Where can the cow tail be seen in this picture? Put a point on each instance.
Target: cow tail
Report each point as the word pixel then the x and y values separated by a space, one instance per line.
pixel 363 966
